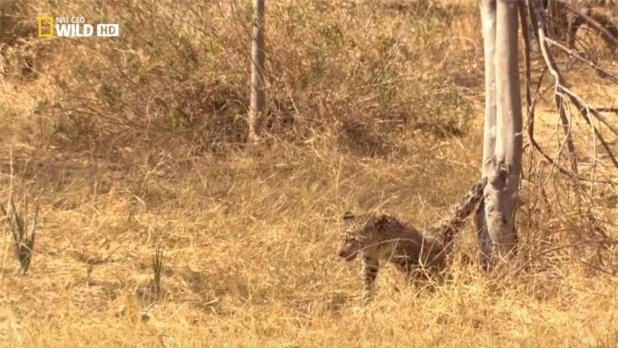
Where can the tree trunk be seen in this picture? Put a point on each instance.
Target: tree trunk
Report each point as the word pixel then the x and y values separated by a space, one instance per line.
pixel 256 108
pixel 502 149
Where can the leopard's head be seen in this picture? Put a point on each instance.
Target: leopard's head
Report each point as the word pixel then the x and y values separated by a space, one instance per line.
pixel 352 238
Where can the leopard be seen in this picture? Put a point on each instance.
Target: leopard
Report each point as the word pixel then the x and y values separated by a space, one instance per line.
pixel 421 254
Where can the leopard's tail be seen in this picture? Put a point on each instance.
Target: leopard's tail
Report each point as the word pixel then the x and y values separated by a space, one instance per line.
pixel 450 226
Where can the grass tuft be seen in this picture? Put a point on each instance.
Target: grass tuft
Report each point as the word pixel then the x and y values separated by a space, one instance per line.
pixel 23 237
pixel 157 268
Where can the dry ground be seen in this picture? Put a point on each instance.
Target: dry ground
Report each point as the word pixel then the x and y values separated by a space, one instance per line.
pixel 249 238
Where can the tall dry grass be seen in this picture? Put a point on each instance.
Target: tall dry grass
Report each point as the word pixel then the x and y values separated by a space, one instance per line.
pixel 136 143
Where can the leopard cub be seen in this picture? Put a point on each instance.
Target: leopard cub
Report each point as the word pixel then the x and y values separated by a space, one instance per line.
pixel 384 238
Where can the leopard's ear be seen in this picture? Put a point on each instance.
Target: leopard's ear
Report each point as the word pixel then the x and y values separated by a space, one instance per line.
pixel 348 216
pixel 380 220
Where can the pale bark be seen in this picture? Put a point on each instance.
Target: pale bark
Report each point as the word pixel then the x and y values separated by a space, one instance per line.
pixel 258 95
pixel 488 22
pixel 502 150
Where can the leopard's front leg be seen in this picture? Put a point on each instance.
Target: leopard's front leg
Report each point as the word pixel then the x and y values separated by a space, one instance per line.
pixel 371 266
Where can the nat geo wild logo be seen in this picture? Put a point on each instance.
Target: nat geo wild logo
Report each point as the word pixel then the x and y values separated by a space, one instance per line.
pixel 74 27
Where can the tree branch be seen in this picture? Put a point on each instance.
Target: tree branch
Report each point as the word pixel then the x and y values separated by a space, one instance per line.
pixel 588 62
pixel 537 16
pixel 606 33
pixel 560 91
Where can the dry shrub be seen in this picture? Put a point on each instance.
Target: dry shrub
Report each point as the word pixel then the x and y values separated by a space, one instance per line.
pixel 180 69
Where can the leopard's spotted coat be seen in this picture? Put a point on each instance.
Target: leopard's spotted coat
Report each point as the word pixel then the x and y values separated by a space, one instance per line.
pixel 420 254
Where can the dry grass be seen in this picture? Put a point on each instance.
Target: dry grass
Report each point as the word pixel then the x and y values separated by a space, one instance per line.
pixel 136 143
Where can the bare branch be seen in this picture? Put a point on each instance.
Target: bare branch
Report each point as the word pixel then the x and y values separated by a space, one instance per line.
pixel 586 16
pixel 585 111
pixel 537 16
pixel 588 62
pixel 560 92
pixel 581 106
pixel 605 109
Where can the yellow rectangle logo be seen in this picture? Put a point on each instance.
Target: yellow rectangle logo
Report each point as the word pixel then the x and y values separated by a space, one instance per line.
pixel 44 21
